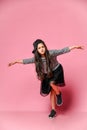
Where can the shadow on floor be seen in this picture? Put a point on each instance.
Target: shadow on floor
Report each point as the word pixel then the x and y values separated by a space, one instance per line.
pixel 68 100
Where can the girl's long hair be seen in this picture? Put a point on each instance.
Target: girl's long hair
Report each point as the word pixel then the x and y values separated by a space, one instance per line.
pixel 39 64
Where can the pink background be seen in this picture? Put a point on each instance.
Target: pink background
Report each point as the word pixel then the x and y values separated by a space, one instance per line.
pixel 59 23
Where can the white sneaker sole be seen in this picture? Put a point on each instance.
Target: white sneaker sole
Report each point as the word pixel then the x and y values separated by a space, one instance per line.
pixel 59 104
pixel 52 117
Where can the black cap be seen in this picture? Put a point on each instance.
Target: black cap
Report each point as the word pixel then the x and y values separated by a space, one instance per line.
pixel 35 44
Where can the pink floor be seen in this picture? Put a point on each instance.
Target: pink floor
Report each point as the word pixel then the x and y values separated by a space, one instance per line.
pixel 40 121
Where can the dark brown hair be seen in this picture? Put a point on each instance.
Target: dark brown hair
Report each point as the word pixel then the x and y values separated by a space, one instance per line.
pixel 39 63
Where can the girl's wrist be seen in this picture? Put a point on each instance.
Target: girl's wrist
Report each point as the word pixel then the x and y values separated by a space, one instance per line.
pixel 15 62
pixel 73 47
pixel 19 61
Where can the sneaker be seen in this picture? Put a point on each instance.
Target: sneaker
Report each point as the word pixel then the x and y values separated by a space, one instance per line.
pixel 52 114
pixel 59 99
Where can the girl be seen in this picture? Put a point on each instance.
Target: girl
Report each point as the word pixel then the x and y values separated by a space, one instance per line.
pixel 49 71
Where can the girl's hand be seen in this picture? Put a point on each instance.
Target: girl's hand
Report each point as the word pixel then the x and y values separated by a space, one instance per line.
pixel 76 47
pixel 12 63
pixel 15 62
pixel 79 47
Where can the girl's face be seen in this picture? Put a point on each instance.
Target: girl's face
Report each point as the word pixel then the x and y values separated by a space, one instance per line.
pixel 41 49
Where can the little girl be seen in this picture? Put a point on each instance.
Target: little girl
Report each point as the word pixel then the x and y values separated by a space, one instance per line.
pixel 49 71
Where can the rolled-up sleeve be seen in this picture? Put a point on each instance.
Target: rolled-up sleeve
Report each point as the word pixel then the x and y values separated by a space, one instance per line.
pixel 28 61
pixel 60 51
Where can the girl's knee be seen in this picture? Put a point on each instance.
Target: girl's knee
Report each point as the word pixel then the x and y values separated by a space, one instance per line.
pixel 51 83
pixel 52 91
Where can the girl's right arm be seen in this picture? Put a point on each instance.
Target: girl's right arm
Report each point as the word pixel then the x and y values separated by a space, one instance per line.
pixel 23 61
pixel 15 62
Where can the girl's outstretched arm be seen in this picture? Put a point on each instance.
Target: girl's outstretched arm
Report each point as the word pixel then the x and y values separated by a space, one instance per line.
pixel 76 47
pixel 23 61
pixel 15 62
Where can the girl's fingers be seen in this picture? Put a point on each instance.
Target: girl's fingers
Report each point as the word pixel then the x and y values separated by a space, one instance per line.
pixel 80 47
pixel 10 64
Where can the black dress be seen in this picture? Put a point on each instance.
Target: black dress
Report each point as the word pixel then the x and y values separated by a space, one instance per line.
pixel 58 78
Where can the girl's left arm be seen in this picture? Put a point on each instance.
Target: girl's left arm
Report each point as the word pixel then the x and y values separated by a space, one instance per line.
pixel 76 47
pixel 64 50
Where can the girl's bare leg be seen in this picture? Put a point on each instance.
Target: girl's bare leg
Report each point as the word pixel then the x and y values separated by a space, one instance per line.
pixel 53 104
pixel 53 99
pixel 58 93
pixel 55 88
